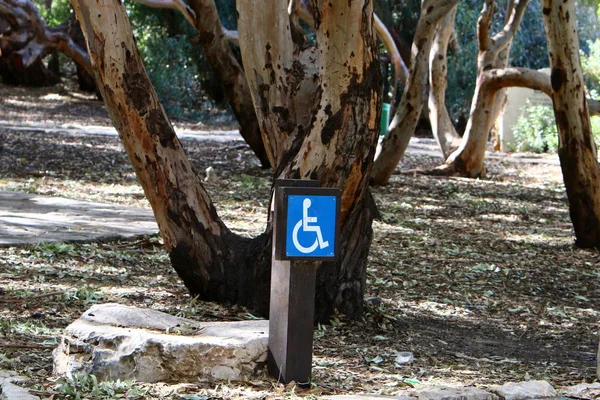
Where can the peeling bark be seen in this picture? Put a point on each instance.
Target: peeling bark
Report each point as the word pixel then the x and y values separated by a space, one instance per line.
pixel 318 124
pixel 576 148
pixel 333 142
pixel 206 255
pixel 467 160
pixel 441 125
pixel 405 120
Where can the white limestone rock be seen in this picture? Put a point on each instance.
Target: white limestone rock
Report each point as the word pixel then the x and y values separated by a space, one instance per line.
pixel 366 397
pixel 113 341
pixel 452 393
pixel 10 391
pixel 584 391
pixel 525 390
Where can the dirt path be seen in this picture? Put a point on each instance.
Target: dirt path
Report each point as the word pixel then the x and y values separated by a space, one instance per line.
pixel 30 219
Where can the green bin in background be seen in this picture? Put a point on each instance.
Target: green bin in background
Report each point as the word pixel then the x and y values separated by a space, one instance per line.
pixel 385 119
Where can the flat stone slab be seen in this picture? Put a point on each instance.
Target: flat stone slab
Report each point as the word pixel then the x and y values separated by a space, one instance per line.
pixel 10 391
pixel 525 390
pixel 114 341
pixel 452 393
pixel 30 219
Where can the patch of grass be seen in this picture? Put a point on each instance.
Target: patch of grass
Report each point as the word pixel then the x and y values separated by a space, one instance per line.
pixel 86 386
pixel 14 326
pixel 51 249
pixel 86 294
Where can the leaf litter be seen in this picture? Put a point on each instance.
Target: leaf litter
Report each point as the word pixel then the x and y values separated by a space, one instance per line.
pixel 478 280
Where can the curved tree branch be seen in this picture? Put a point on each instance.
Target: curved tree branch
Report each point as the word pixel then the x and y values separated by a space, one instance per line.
pixel 32 39
pixel 504 38
pixel 400 70
pixel 406 117
pixel 180 5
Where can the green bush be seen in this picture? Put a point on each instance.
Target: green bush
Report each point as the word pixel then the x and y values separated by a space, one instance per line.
pixel 535 131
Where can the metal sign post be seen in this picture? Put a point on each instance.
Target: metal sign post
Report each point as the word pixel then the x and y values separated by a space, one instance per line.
pixel 305 230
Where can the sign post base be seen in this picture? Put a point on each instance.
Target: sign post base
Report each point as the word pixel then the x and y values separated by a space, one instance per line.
pixel 305 232
pixel 291 320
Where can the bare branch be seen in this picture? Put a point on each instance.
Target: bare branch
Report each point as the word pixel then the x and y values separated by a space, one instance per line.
pixel 232 36
pixel 497 79
pixel 483 25
pixel 503 38
pixel 400 70
pixel 34 38
pixel 187 12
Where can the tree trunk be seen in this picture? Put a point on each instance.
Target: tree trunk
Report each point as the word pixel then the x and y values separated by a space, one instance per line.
pixel 206 255
pixel 441 125
pixel 576 149
pixel 467 160
pixel 320 108
pixel 409 111
pixel 230 74
pixel 332 142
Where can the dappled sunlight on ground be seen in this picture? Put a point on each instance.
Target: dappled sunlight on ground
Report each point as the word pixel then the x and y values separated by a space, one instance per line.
pixel 479 279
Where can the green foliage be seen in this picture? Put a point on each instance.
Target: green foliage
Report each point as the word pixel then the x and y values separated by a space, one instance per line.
pixel 51 249
pixel 462 58
pixel 177 67
pixel 85 386
pixel 590 64
pixel 85 294
pixel 528 50
pixel 58 13
pixel 535 131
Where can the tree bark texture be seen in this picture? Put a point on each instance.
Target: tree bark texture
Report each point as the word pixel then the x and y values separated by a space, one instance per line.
pixel 332 141
pixel 467 160
pixel 405 120
pixel 576 149
pixel 320 107
pixel 230 74
pixel 210 260
pixel 441 124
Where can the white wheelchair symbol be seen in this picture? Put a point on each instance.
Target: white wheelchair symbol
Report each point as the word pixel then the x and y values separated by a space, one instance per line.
pixel 304 224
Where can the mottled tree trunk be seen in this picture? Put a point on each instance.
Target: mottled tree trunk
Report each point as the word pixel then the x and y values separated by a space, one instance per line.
pixel 467 160
pixel 331 140
pixel 405 120
pixel 576 148
pixel 230 74
pixel 320 109
pixel 441 124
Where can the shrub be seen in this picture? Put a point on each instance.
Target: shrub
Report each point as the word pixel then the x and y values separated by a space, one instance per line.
pixel 535 130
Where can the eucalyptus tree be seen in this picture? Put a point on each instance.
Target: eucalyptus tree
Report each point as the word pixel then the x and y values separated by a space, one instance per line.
pixel 318 107
pixel 576 147
pixel 406 117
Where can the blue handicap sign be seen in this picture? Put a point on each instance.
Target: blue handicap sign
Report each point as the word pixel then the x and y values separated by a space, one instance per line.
pixel 311 226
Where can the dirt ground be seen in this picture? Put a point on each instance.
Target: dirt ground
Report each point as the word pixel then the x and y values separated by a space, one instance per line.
pixel 479 279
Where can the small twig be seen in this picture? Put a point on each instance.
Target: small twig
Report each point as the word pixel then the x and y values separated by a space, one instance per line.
pixel 50 394
pixel 26 346
pixel 26 299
